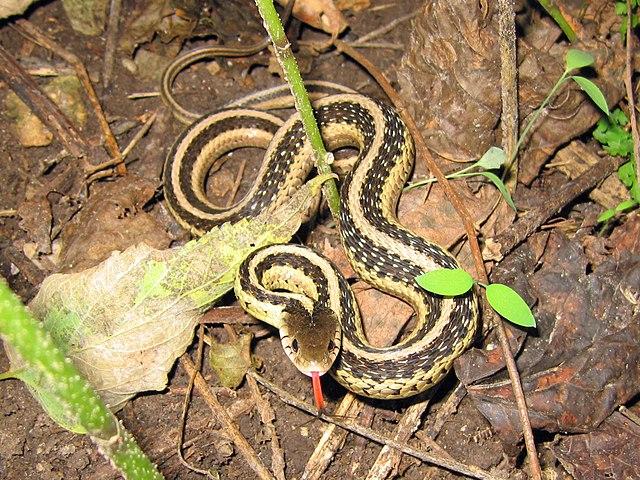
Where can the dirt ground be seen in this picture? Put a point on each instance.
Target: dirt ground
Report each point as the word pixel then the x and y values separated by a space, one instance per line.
pixel 569 268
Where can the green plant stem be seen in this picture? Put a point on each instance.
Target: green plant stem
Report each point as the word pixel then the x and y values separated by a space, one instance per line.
pixel 34 345
pixel 287 61
pixel 536 115
pixel 556 14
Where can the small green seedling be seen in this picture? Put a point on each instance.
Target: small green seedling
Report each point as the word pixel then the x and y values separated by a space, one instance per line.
pixel 617 141
pixel 503 299
pixel 495 158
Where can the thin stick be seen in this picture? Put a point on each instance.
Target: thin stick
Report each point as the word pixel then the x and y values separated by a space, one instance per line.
pixel 389 459
pixel 332 439
pixel 48 112
pixel 463 213
pixel 112 37
pixel 185 406
pixel 378 32
pixel 267 415
pixel 525 226
pixel 509 86
pixel 227 422
pixel 453 466
pixel 110 141
pixel 628 81
pixel 125 153
pixel 508 81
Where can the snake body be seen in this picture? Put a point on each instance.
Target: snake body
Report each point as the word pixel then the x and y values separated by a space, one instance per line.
pixel 298 290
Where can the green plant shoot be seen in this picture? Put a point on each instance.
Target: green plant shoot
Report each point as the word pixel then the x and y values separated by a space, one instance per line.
pixel 495 157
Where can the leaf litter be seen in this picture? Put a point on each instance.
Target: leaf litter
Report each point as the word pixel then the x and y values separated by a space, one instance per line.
pixel 124 322
pixel 469 94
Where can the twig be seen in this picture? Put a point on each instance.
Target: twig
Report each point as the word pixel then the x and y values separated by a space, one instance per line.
pixel 125 153
pixel 454 198
pixel 228 424
pixel 110 142
pixel 378 32
pixel 323 45
pixel 526 225
pixel 236 183
pixel 185 406
pixel 111 42
pixel 509 86
pixel 332 439
pixel 446 410
pixel 453 466
pixel 267 415
pixel 389 459
pixel 628 82
pixel 508 81
pixel 629 414
pixel 42 106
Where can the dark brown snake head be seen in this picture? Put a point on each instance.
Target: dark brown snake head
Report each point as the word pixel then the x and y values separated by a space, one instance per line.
pixel 311 340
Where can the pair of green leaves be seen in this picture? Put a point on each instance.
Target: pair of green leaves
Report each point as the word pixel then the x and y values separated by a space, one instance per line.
pixel 453 282
pixel 575 60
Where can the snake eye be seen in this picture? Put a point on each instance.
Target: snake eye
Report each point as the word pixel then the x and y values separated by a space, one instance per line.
pixel 294 345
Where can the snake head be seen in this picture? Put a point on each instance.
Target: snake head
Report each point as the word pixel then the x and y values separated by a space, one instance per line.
pixel 311 340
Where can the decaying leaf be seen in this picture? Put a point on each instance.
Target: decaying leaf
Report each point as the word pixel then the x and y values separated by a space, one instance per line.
pixel 124 322
pixel 86 16
pixel 112 219
pixel 611 451
pixel 585 360
pixel 460 110
pixel 232 360
pixel 321 14
pixel 9 8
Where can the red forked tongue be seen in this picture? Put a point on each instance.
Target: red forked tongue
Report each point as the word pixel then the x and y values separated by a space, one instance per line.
pixel 317 390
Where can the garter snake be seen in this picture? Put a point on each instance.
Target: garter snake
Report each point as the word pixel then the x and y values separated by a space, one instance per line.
pixel 298 290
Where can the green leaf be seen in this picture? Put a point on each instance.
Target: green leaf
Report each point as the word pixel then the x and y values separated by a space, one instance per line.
pixel 508 303
pixel 594 93
pixel 499 185
pixel 621 8
pixel 492 159
pixel 634 192
pixel 627 174
pixel 619 117
pixel 606 215
pixel 626 205
pixel 577 59
pixel 231 360
pixel 446 281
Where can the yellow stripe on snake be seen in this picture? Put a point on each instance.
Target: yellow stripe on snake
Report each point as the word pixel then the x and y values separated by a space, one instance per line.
pixel 299 291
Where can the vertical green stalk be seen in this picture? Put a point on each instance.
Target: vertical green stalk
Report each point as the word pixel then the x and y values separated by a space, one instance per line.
pixel 534 118
pixel 285 57
pixel 80 403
